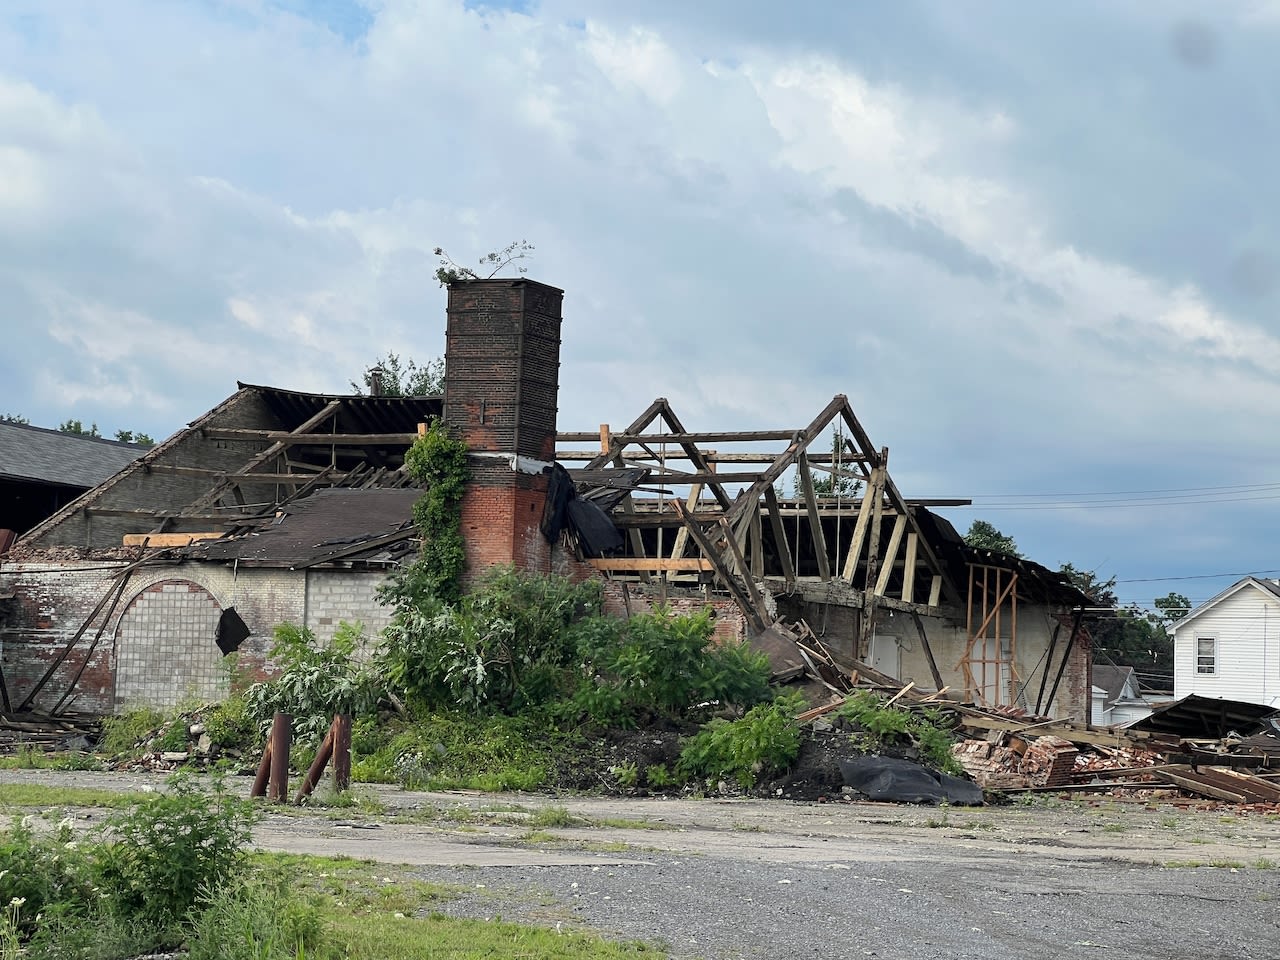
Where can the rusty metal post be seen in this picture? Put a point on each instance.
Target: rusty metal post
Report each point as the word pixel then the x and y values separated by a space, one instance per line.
pixel 281 739
pixel 259 787
pixel 342 752
pixel 317 765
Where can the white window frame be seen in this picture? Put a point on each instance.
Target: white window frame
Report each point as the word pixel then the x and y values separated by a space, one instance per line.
pixel 1212 665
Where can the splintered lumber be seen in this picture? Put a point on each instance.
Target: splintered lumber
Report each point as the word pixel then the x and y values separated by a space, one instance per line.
pixel 624 564
pixel 1220 784
pixel 156 540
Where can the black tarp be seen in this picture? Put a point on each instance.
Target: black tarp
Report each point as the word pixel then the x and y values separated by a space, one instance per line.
pixel 232 631
pixel 560 491
pixel 901 781
pixel 596 532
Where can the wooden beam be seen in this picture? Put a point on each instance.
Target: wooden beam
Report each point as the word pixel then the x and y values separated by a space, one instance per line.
pixel 928 652
pixel 730 582
pixel 289 439
pixel 815 524
pixel 635 436
pixel 867 625
pixel 757 601
pixel 798 445
pixel 706 472
pixel 859 533
pixel 157 540
pixel 713 457
pixel 840 593
pixel 909 568
pixel 624 564
pixel 891 555
pixel 682 535
pixel 780 542
pixel 756 535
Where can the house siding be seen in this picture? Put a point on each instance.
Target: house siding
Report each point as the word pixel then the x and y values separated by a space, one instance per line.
pixel 1246 625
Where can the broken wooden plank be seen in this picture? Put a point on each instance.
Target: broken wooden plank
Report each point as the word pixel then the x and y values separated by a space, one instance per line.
pixel 652 564
pixel 158 540
pixel 815 524
pixel 891 555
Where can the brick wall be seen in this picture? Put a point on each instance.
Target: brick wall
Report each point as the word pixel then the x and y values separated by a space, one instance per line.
pixel 158 645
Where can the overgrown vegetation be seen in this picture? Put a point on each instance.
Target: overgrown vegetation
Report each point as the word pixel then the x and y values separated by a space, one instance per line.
pixel 315 680
pixel 438 462
pixel 765 740
pixel 883 727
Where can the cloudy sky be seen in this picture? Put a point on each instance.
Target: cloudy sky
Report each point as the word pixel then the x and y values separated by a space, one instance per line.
pixel 1038 245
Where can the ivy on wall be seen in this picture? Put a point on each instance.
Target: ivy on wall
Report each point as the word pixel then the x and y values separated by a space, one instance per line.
pixel 438 462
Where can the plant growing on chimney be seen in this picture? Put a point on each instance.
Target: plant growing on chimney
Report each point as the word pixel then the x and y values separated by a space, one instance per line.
pixel 439 462
pixel 491 264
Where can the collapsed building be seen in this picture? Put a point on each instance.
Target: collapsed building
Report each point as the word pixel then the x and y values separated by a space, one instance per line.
pixel 279 505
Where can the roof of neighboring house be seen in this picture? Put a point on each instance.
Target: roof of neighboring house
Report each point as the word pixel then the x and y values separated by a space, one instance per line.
pixel 65 459
pixel 1113 679
pixel 1268 587
pixel 332 525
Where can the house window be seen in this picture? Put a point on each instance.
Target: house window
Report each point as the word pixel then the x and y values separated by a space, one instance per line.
pixel 1206 655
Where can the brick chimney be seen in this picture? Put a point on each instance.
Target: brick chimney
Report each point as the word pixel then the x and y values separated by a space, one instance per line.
pixel 502 377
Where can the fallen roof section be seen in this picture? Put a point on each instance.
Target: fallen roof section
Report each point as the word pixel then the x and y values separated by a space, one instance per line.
pixel 330 526
pixel 1206 717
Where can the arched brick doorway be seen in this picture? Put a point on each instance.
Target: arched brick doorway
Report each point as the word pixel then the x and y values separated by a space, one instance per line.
pixel 165 649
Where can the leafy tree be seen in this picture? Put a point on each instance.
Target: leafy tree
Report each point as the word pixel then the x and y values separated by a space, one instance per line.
pixel 403 378
pixel 984 536
pixel 1172 607
pixel 140 438
pixel 77 427
pixel 1128 636
pixel 491 264
pixel 13 418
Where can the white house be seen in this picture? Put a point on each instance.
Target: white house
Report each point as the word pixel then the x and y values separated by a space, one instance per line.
pixel 1229 647
pixel 1117 699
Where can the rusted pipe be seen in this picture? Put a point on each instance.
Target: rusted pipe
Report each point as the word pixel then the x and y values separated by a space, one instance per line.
pixel 281 739
pixel 317 766
pixel 342 752
pixel 259 787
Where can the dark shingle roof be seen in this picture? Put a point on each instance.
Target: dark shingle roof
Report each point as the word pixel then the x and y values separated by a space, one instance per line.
pixel 51 456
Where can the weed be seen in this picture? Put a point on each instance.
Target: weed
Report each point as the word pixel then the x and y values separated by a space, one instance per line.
pixel 30 757
pixel 1115 828
pixel 886 726
pixel 659 777
pixel 171 849
pixel 1263 863
pixel 627 774
pixel 555 816
pixel 765 740
pixel 47 797
pixel 256 917
pixel 628 823
pixel 230 724
pixel 538 836
pixel 125 732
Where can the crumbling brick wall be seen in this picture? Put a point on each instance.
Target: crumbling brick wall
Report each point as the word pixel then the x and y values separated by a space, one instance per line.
pixel 158 645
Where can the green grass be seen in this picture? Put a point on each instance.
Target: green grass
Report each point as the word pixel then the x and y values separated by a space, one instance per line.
pixel 634 823
pixel 378 912
pixel 38 795
pixel 555 816
pixel 28 757
pixel 445 938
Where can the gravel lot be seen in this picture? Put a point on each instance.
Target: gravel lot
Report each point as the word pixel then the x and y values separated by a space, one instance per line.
pixel 760 879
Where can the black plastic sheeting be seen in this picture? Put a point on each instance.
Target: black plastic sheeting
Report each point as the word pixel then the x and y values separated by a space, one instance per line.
pixel 901 781
pixel 596 533
pixel 232 631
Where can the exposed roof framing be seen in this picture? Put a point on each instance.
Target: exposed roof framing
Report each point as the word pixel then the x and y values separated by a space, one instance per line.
pixel 734 519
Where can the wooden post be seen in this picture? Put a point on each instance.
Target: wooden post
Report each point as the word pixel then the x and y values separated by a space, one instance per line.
pixel 342 752
pixel 281 740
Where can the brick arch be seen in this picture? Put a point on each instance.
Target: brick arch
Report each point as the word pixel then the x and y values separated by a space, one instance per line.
pixel 165 647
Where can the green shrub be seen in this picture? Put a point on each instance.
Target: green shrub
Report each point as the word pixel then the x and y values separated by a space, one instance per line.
pixel 886 726
pixel 462 750
pixel 123 732
pixel 41 876
pixel 230 724
pixel 171 849
pixel 505 646
pixel 764 741
pixel 664 665
pixel 173 738
pixel 315 681
pixel 259 918
pixel 659 777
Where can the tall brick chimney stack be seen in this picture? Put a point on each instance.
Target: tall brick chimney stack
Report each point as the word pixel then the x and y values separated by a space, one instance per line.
pixel 502 377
